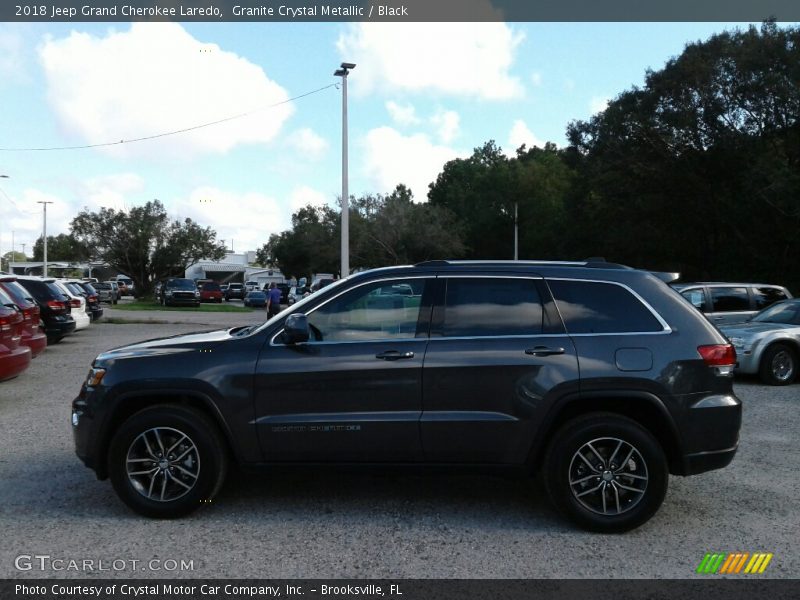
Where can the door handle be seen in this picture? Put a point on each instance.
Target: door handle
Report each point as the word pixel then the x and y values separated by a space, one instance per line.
pixel 543 351
pixel 394 355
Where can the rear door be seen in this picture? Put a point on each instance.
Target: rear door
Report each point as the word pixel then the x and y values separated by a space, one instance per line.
pixel 729 304
pixel 497 355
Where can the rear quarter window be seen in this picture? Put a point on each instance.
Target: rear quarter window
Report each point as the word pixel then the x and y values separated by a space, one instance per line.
pixel 597 307
pixel 766 296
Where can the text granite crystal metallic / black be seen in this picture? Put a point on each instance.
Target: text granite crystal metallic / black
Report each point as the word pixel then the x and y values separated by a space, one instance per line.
pixel 597 376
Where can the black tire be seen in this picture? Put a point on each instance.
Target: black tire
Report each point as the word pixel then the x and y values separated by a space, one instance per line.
pixel 778 365
pixel 206 458
pixel 626 510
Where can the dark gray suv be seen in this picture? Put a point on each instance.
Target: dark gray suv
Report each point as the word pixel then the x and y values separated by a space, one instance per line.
pixel 599 377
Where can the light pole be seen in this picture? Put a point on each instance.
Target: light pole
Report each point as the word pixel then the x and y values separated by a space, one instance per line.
pixel 516 233
pixel 23 249
pixel 44 204
pixel 345 268
pixel 8 266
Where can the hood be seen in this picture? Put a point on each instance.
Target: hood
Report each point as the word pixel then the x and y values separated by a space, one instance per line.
pixel 752 328
pixel 169 345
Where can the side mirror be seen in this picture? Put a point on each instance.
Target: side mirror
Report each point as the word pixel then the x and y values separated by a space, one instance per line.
pixel 295 329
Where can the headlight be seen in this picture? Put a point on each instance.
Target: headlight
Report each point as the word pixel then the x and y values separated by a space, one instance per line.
pixel 168 293
pixel 197 294
pixel 737 342
pixel 95 377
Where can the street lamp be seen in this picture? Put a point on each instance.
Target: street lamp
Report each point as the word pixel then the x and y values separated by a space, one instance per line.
pixel 345 268
pixel 44 204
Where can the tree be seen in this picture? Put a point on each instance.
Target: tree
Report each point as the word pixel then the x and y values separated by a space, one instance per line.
pixel 64 247
pixel 10 257
pixel 699 170
pixel 144 244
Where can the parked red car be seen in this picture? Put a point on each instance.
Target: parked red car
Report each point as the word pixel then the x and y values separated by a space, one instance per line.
pixel 210 292
pixel 14 357
pixel 32 334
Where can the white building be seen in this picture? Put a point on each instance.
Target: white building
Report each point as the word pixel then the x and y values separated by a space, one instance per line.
pixel 235 267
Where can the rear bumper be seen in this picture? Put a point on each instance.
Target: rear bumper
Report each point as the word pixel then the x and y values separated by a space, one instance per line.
pixel 96 313
pixel 37 343
pixel 14 362
pixel 710 433
pixel 701 462
pixel 58 329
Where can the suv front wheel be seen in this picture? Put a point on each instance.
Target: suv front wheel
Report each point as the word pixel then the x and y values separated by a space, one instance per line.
pixel 606 472
pixel 167 460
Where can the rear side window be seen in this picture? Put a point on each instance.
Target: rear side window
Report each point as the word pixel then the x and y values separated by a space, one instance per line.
pixel 40 290
pixel 596 307
pixel 211 287
pixel 729 299
pixel 766 296
pixel 697 298
pixel 476 307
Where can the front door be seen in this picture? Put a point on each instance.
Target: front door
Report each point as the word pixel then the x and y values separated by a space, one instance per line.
pixel 353 392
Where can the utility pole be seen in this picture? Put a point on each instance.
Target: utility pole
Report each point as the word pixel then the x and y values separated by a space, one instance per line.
pixel 345 266
pixel 44 204
pixel 516 232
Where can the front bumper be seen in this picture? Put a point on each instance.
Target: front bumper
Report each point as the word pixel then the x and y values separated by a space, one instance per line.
pixel 178 301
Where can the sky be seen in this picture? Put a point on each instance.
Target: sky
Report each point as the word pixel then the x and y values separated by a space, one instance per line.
pixel 421 94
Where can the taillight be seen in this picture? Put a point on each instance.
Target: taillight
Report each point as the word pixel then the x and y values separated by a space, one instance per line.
pixel 93 298
pixel 75 303
pixel 9 323
pixel 56 305
pixel 718 355
pixel 27 314
pixel 5 324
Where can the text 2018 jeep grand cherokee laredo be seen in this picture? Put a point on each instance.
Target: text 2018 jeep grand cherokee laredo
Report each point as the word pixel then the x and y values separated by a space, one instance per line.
pixel 598 376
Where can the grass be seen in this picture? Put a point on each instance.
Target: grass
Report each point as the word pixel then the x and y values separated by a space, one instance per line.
pixel 206 308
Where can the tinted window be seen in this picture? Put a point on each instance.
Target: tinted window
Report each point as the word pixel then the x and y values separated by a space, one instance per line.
pixel 764 296
pixel 491 307
pixel 181 284
pixel 697 298
pixel 18 293
pixel 102 286
pixel 377 311
pixel 592 307
pixel 89 288
pixel 729 299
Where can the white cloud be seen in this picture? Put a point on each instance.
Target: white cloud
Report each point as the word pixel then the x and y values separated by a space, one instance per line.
pixel 305 195
pixel 463 59
pixel 308 143
pixel 447 124
pixel 110 191
pixel 22 215
pixel 10 53
pixel 521 134
pixel 536 78
pixel 402 115
pixel 155 78
pixel 247 218
pixel 598 103
pixel 415 161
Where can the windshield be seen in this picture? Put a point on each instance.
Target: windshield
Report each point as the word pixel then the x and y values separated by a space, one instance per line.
pixel 102 286
pixel 181 284
pixel 783 312
pixel 210 287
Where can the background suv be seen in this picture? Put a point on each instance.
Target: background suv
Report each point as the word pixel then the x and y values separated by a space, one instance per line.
pixel 598 376
pixel 725 303
pixel 235 290
pixel 55 308
pixel 180 292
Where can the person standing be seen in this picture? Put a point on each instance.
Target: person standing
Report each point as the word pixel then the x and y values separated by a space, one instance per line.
pixel 273 300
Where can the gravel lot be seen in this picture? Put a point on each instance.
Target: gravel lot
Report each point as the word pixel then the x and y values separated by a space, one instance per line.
pixel 387 525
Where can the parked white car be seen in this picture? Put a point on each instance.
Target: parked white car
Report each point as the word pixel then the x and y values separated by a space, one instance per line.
pixel 78 304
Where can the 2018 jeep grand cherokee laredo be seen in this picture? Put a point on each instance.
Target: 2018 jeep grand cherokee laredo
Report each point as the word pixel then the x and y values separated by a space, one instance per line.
pixel 598 376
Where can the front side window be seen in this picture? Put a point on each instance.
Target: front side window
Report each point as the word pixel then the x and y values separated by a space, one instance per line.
pixel 385 310
pixel 597 307
pixel 729 299
pixel 480 307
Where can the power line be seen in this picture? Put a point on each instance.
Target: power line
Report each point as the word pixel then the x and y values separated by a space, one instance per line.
pixel 168 133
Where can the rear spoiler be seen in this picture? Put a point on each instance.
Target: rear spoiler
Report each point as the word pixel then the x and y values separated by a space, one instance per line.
pixel 665 276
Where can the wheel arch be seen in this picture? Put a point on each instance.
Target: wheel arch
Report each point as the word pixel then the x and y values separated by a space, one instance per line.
pixel 645 408
pixel 130 403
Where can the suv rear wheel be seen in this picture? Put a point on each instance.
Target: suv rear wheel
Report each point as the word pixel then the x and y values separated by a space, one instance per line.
pixel 167 460
pixel 605 472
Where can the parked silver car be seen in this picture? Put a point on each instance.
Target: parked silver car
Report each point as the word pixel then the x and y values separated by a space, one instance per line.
pixel 769 343
pixel 725 303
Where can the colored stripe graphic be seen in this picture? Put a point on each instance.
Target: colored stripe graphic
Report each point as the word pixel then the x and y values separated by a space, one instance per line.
pixel 733 562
